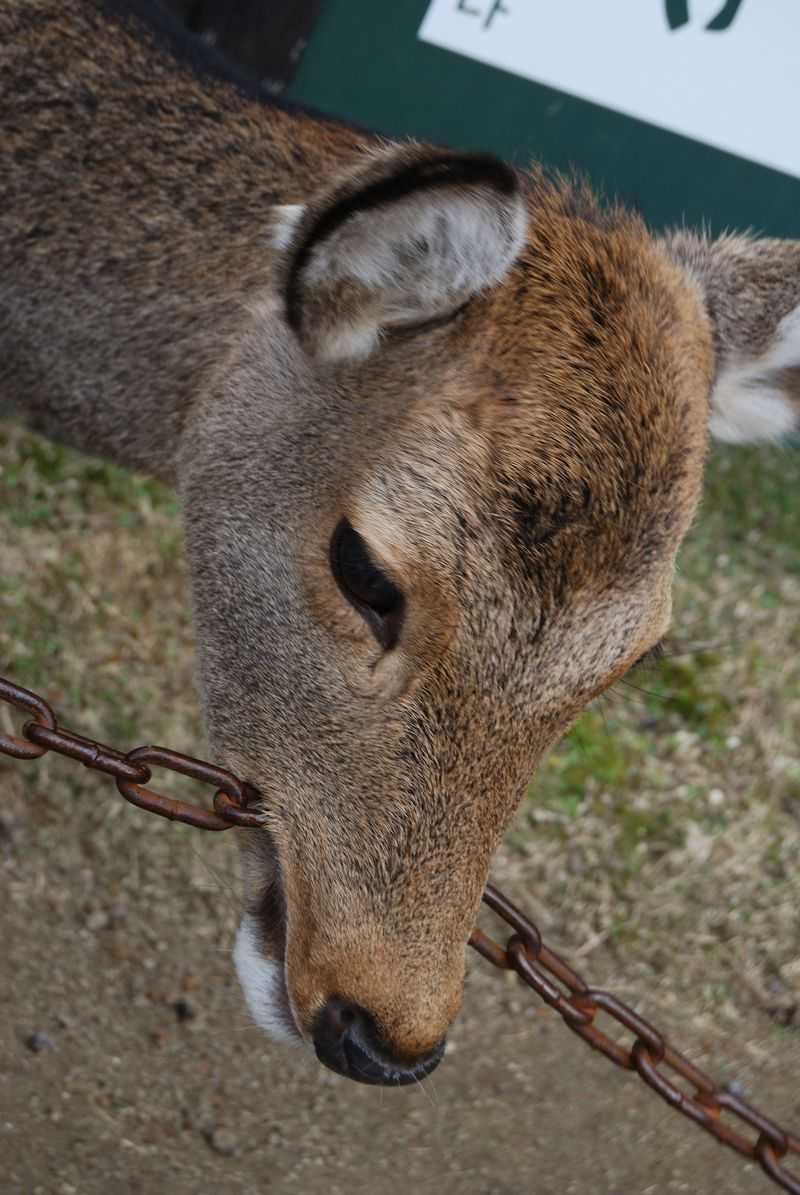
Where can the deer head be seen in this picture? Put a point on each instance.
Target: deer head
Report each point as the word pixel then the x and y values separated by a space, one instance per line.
pixel 442 429
pixel 433 497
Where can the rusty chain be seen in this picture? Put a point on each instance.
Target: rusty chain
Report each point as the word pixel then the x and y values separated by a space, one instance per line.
pixel 649 1054
pixel 131 770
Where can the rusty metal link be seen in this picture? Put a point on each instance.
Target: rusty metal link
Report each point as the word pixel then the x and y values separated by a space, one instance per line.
pixel 552 978
pixel 650 1055
pixel 131 770
pixel 23 699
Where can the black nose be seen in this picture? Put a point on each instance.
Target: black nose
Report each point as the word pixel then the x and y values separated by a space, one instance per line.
pixel 347 1040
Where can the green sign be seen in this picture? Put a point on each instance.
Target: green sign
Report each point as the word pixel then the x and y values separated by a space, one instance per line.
pixel 649 98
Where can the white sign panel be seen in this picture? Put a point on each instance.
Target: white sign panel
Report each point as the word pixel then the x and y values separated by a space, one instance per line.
pixel 726 72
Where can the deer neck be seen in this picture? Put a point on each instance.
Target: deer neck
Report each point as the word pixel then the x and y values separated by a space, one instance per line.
pixel 135 224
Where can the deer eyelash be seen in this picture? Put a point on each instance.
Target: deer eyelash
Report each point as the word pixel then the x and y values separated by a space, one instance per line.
pixel 657 652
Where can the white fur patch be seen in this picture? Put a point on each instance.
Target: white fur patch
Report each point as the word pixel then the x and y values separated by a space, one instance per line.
pixel 284 219
pixel 748 406
pixel 748 413
pixel 785 352
pixel 349 343
pixel 262 981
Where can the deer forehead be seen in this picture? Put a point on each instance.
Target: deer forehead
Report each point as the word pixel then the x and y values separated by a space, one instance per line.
pixel 594 348
pixel 574 395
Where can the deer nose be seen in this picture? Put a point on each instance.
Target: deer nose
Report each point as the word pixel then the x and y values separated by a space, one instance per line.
pixel 347 1040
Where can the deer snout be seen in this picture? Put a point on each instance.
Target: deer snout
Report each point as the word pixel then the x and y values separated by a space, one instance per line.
pixel 373 992
pixel 378 1014
pixel 347 1040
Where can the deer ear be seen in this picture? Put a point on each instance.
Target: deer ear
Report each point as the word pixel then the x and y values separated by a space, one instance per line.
pixel 405 238
pixel 752 294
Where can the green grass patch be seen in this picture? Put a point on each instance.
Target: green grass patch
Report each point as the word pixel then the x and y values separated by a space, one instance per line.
pixel 593 755
pixel 750 511
pixel 689 688
pixel 42 483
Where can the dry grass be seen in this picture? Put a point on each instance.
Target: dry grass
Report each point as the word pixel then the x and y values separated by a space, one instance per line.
pixel 94 615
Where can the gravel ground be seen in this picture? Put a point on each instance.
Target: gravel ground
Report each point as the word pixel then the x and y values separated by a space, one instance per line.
pixel 658 849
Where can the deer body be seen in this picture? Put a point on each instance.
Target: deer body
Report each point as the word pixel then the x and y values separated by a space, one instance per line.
pixel 130 336
pixel 438 429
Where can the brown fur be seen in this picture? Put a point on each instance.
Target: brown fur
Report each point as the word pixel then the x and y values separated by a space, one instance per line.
pixel 524 471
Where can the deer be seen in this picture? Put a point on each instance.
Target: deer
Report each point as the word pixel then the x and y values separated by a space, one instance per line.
pixel 438 427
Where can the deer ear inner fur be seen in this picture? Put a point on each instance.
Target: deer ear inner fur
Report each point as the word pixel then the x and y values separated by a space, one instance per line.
pixel 405 239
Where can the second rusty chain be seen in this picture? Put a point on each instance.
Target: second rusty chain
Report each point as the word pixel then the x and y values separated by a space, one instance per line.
pixel 650 1055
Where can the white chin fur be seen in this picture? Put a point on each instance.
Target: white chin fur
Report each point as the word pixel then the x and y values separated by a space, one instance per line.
pixel 263 983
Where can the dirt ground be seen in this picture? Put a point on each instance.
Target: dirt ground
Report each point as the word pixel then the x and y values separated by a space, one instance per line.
pixel 658 849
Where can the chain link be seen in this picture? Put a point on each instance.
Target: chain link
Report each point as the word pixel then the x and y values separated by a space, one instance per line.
pixel 650 1055
pixel 132 770
pixel 552 978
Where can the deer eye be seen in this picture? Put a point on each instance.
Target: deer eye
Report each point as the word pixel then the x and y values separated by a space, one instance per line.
pixel 377 599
